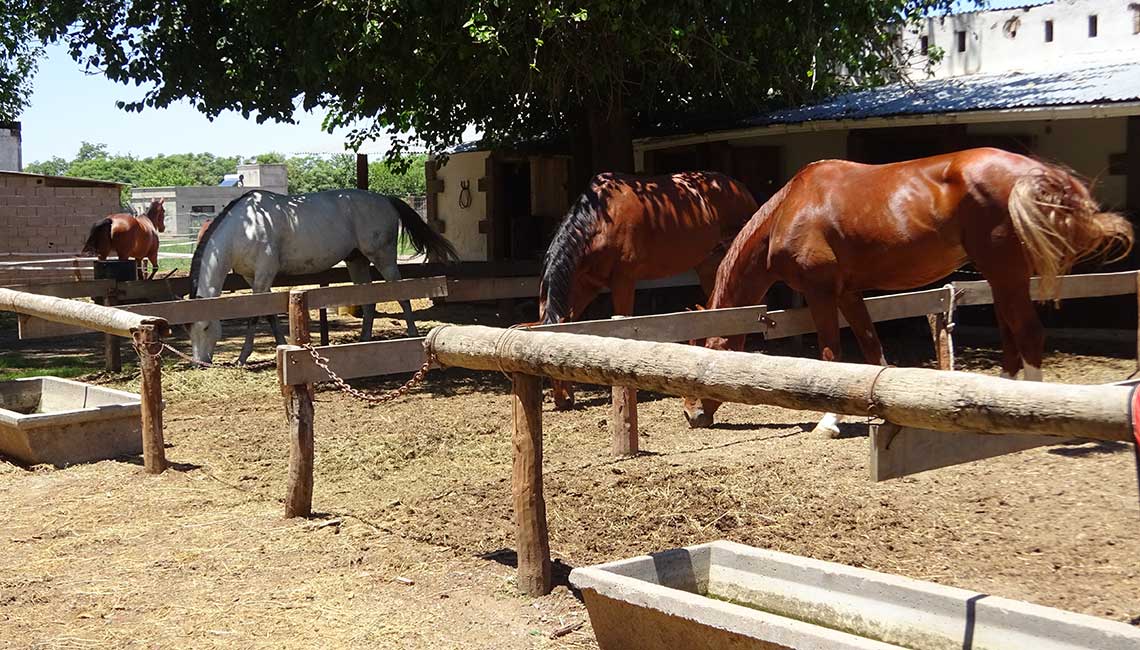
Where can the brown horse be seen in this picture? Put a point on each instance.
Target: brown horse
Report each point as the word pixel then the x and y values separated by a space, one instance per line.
pixel 623 229
pixel 128 236
pixel 202 230
pixel 839 228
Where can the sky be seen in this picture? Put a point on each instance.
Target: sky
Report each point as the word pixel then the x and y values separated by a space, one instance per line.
pixel 69 107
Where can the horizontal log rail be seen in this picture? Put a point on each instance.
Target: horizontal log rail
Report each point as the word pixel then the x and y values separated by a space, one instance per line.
pixel 917 397
pixel 379 358
pixel 81 314
pixel 181 312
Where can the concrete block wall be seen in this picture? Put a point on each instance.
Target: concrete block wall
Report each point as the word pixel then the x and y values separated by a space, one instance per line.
pixel 50 221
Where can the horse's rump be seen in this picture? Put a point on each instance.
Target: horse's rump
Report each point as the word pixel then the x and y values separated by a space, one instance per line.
pixel 99 240
pixel 1059 225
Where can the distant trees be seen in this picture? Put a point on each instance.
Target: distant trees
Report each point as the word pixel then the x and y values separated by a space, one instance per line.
pixel 307 173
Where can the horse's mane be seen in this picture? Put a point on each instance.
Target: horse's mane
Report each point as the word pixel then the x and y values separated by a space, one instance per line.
pixel 565 252
pixel 746 249
pixel 196 261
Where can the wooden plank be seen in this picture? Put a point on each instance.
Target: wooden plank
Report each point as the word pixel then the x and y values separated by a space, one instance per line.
pixel 532 539
pixel 792 322
pixel 902 451
pixel 374 292
pixel 81 289
pixel 353 360
pixel 177 312
pixel 477 289
pixel 1090 285
pixel 677 326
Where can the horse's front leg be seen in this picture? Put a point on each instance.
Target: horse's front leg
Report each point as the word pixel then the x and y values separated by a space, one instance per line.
pixel 247 347
pixel 825 313
pixel 275 327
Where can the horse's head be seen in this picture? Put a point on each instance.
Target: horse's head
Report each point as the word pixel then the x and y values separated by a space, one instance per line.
pixel 157 214
pixel 700 412
pixel 204 337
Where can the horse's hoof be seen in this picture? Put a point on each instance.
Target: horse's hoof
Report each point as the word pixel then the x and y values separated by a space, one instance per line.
pixel 828 427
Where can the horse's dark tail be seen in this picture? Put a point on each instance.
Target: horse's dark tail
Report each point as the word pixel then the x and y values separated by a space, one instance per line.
pixel 566 250
pixel 422 236
pixel 99 241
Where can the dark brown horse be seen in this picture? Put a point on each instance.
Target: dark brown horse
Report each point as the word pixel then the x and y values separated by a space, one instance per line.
pixel 839 228
pixel 623 229
pixel 128 236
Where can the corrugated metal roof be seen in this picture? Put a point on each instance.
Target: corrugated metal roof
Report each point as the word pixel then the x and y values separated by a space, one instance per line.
pixel 1103 84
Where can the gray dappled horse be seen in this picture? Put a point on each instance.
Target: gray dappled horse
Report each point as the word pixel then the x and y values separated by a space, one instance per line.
pixel 261 234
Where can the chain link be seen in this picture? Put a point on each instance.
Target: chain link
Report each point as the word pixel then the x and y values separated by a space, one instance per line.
pixel 340 383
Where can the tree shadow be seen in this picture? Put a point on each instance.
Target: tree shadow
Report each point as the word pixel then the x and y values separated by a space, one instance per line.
pixel 1087 448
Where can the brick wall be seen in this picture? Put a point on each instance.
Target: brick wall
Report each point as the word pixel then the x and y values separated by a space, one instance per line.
pixel 51 218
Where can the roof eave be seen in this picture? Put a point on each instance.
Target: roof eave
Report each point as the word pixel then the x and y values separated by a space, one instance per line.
pixel 1019 114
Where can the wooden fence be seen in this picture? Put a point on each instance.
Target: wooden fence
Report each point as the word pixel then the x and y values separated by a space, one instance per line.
pixel 145 331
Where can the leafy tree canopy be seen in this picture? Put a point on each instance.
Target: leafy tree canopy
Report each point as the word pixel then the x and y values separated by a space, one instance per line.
pixel 307 173
pixel 516 69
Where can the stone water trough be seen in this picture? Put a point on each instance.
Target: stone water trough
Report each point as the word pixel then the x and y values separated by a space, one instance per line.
pixel 724 595
pixel 61 422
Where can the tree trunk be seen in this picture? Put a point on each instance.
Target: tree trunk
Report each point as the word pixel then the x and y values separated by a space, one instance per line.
pixel 611 140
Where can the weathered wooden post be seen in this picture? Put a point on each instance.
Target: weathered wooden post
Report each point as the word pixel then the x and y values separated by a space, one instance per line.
pixel 299 413
pixel 526 486
pixel 623 421
pixel 148 344
pixel 941 325
pixel 623 418
pixel 112 353
pixel 324 316
pixel 361 171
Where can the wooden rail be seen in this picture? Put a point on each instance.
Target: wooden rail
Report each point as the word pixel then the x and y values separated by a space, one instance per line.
pixel 147 333
pixel 179 312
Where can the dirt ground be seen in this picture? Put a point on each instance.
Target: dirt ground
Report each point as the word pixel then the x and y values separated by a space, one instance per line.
pixel 412 544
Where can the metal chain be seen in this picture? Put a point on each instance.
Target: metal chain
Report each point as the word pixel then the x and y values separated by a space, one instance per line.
pixel 323 364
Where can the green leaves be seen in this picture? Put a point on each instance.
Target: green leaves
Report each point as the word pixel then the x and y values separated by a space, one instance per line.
pixel 422 71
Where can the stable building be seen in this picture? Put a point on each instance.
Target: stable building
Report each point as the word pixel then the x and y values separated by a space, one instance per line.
pixel 1058 80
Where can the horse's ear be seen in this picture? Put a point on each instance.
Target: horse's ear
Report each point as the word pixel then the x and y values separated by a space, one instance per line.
pixel 162 200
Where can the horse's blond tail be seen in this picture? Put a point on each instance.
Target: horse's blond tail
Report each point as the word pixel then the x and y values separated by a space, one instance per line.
pixel 1058 226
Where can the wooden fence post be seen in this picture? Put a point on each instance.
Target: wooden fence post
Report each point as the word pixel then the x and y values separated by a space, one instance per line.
pixel 299 413
pixel 112 353
pixel 533 540
pixel 150 393
pixel 940 331
pixel 324 316
pixel 623 418
pixel 623 421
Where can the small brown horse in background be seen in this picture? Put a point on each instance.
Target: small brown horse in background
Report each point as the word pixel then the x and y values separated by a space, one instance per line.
pixel 839 228
pixel 129 236
pixel 625 228
pixel 202 230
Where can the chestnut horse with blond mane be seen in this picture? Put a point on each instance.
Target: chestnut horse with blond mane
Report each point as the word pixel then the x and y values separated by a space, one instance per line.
pixel 130 237
pixel 626 228
pixel 839 228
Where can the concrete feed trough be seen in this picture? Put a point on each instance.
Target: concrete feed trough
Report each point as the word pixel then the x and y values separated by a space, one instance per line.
pixel 60 422
pixel 727 595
